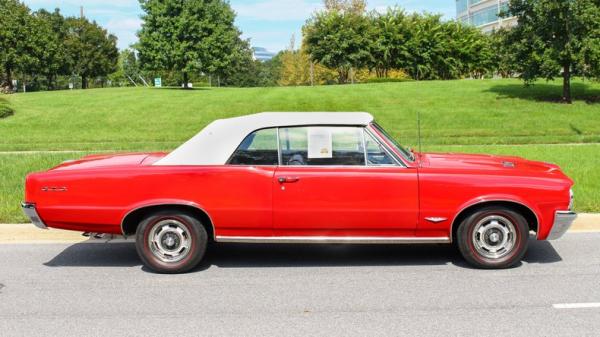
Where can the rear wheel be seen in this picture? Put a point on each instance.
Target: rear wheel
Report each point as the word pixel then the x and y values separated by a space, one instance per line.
pixel 171 241
pixel 493 238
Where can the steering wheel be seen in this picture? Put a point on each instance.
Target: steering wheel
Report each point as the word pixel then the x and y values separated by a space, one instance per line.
pixel 296 159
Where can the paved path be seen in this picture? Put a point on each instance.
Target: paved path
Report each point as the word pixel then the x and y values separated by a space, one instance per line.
pixel 96 289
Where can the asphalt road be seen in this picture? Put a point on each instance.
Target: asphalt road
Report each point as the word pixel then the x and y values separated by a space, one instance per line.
pixel 94 289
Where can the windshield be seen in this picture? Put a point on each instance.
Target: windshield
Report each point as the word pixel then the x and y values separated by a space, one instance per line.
pixel 391 142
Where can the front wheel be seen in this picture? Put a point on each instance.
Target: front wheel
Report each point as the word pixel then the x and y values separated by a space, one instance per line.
pixel 493 238
pixel 171 241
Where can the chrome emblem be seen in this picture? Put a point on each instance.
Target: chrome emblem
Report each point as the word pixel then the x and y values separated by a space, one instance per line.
pixel 436 219
pixel 54 189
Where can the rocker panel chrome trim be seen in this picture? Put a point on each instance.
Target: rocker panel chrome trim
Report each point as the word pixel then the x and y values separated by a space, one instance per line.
pixel 332 239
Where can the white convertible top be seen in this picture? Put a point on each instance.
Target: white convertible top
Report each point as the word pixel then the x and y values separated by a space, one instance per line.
pixel 218 140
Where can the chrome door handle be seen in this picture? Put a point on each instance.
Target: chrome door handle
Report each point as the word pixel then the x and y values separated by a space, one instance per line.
pixel 284 180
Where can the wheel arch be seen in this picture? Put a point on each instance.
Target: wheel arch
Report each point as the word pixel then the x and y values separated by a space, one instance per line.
pixel 528 213
pixel 132 218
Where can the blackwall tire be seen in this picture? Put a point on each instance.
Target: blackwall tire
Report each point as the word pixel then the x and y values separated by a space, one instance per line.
pixel 493 238
pixel 171 242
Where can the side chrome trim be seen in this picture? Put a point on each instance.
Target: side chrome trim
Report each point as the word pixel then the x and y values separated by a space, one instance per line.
pixel 212 224
pixel 436 219
pixel 31 213
pixel 332 239
pixel 562 222
pixel 537 219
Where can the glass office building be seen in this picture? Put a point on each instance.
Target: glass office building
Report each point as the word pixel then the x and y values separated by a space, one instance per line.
pixel 484 14
pixel 262 54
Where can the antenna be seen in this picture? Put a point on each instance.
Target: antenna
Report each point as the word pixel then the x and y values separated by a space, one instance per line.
pixel 419 129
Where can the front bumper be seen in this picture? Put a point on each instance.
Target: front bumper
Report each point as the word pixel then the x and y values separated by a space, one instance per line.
pixel 31 212
pixel 562 222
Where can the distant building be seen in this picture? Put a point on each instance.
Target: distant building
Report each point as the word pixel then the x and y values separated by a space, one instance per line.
pixel 262 54
pixel 484 14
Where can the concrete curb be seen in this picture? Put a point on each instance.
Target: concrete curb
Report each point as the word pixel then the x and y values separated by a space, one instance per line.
pixel 29 234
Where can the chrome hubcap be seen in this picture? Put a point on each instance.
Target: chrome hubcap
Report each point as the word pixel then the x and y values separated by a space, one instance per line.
pixel 169 240
pixel 494 237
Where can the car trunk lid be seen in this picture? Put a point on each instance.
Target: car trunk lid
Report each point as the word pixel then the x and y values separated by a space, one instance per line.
pixel 111 160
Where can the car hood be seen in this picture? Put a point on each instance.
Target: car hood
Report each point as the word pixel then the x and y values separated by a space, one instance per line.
pixel 485 162
pixel 111 160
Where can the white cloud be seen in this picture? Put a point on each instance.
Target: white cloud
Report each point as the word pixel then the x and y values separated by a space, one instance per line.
pixel 274 40
pixel 277 10
pixel 125 29
pixel 124 24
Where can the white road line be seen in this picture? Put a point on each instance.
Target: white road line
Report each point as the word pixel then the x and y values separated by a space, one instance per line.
pixel 576 305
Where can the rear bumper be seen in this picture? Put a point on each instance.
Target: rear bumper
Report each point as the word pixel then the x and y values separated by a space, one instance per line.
pixel 31 212
pixel 562 222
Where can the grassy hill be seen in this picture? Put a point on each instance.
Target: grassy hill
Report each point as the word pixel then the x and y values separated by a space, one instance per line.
pixel 493 116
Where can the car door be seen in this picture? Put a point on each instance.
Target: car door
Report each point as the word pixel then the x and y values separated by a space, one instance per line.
pixel 241 191
pixel 326 185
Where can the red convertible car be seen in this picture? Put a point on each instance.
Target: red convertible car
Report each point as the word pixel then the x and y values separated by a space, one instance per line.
pixel 304 178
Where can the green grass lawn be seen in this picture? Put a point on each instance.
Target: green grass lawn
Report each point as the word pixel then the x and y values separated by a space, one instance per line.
pixel 453 112
pixel 464 116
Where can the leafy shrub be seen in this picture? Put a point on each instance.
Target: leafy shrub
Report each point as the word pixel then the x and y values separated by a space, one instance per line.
pixel 387 79
pixel 5 111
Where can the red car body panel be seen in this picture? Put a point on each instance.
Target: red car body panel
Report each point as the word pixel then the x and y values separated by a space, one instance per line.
pixel 96 193
pixel 346 201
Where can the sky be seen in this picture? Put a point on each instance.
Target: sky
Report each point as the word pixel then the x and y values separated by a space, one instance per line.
pixel 267 23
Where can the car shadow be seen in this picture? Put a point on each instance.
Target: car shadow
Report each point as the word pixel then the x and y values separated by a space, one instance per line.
pixel 93 254
pixel 291 255
pixel 546 92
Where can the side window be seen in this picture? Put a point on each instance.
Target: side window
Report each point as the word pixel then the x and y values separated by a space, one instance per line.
pixel 322 146
pixel 376 154
pixel 258 148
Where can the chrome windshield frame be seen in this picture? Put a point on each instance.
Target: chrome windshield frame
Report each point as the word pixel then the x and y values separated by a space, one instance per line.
pixel 380 134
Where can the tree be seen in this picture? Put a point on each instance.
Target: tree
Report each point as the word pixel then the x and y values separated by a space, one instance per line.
pixel 128 69
pixel 298 69
pixel 189 36
pixel 239 67
pixel 295 66
pixel 446 50
pixel 19 44
pixel 270 72
pixel 556 37
pixel 389 48
pixel 351 6
pixel 130 63
pixel 52 30
pixel 425 45
pixel 92 52
pixel 466 51
pixel 503 59
pixel 340 40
